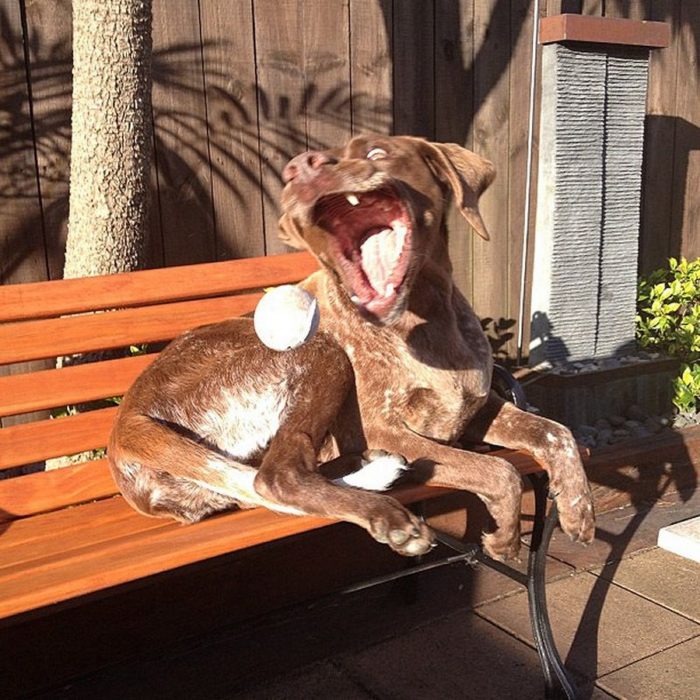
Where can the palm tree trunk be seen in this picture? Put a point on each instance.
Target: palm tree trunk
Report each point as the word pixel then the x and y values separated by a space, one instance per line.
pixel 111 137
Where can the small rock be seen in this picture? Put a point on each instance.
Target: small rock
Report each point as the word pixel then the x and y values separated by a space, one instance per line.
pixel 602 424
pixel 604 436
pixel 634 412
pixel 632 424
pixel 610 363
pixel 665 421
pixel 617 421
pixel 682 421
pixel 640 432
pixel 587 431
pixel 653 425
pixel 621 432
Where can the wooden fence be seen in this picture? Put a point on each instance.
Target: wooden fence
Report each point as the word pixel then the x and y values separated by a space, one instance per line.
pixel 242 85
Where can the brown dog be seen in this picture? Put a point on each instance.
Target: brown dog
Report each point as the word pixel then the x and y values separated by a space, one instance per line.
pixel 400 364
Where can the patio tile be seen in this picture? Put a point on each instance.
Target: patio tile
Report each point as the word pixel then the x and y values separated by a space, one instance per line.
pixel 599 627
pixel 456 657
pixel 318 681
pixel 673 673
pixel 623 531
pixel 665 578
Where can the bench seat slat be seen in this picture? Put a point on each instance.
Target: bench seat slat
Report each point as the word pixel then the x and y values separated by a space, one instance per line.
pixel 33 442
pixel 36 391
pixel 46 299
pixel 24 543
pixel 144 550
pixel 34 340
pixel 46 491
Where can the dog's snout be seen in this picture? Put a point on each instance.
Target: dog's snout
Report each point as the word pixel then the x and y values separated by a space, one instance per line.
pixel 306 166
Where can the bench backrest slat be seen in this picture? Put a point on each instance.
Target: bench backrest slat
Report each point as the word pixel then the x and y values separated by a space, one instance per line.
pixel 33 442
pixel 56 298
pixel 46 491
pixel 35 340
pixel 36 391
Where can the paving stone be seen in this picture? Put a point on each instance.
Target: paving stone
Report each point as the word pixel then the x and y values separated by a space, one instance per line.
pixel 665 578
pixel 682 538
pixel 320 681
pixel 456 657
pixel 599 627
pixel 673 673
pixel 623 531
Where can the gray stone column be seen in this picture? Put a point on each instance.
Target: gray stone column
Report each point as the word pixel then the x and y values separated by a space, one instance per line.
pixel 588 203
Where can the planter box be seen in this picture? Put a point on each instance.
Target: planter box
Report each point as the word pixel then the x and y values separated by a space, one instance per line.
pixel 584 398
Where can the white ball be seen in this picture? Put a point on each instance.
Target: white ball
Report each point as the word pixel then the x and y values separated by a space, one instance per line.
pixel 286 317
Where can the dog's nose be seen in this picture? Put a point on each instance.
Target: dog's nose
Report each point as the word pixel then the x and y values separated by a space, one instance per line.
pixel 306 166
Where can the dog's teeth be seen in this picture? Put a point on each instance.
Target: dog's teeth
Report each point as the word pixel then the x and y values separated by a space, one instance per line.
pixel 355 299
pixel 352 199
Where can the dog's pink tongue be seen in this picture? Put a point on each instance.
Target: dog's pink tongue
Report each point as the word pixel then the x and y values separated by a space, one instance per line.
pixel 380 253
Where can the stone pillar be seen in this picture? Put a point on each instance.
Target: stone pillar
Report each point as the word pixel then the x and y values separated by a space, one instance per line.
pixel 594 84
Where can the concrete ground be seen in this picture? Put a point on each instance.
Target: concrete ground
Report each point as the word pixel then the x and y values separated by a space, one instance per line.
pixel 626 617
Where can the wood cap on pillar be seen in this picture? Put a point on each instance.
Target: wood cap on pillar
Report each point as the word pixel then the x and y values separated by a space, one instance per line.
pixel 604 30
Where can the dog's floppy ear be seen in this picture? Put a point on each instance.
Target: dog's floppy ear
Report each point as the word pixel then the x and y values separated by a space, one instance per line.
pixel 467 174
pixel 289 232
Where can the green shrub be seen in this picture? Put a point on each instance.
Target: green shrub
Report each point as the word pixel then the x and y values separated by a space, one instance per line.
pixel 668 321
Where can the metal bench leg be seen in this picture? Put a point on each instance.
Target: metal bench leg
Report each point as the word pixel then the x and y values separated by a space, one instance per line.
pixel 558 681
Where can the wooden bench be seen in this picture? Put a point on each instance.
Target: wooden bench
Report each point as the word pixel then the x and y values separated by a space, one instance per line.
pixel 66 533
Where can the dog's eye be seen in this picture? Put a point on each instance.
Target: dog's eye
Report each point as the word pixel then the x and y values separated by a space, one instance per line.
pixel 376 154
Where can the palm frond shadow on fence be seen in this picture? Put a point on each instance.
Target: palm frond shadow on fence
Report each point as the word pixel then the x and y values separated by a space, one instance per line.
pixel 191 145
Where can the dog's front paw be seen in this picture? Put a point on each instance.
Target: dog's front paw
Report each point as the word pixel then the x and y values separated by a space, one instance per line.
pixel 576 515
pixel 406 534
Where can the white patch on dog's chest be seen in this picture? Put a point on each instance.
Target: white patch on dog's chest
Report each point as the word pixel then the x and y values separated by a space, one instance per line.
pixel 244 421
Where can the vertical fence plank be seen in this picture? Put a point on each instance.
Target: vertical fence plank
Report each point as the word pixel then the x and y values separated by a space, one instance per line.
pixel 656 244
pixel 180 128
pixel 281 85
pixel 593 7
pixel 22 253
pixel 326 72
pixel 454 99
pixel 49 24
pixel 414 93
pixel 229 74
pixel 371 66
pixel 626 9
pixel 491 139
pixel 685 222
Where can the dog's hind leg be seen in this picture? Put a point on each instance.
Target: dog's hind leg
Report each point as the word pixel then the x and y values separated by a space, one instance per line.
pixel 162 472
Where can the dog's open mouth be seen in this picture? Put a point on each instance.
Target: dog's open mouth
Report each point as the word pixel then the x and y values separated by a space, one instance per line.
pixel 371 244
